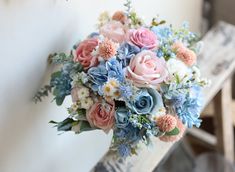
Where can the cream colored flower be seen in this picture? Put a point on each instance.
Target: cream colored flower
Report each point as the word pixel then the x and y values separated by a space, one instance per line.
pixel 86 103
pixel 83 92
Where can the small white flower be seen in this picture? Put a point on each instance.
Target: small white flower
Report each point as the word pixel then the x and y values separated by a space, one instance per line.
pixel 110 89
pixel 177 67
pixel 83 92
pixel 86 103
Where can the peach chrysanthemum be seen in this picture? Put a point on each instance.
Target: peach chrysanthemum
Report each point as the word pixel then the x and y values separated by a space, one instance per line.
pixel 166 123
pixel 120 16
pixel 181 128
pixel 184 54
pixel 107 49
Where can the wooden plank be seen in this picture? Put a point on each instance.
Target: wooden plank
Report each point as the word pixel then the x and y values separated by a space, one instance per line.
pixel 217 62
pixel 203 136
pixel 223 121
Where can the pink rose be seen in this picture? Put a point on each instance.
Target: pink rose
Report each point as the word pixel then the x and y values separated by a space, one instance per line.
pixel 83 53
pixel 114 30
pixel 184 54
pixel 146 68
pixel 101 115
pixel 143 38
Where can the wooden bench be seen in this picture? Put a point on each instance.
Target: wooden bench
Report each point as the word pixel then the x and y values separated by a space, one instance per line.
pixel 217 62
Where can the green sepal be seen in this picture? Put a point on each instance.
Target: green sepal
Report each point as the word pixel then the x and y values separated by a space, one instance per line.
pixel 173 132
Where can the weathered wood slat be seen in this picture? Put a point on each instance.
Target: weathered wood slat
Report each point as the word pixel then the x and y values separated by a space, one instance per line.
pixel 205 138
pixel 223 121
pixel 217 62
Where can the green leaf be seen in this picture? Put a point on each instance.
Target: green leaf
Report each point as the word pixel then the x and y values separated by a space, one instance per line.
pixel 59 100
pixel 81 117
pixel 173 132
pixel 81 111
pixel 65 125
pixel 85 126
pixel 53 122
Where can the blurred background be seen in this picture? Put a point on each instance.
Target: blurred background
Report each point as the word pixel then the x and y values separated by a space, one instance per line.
pixel 32 29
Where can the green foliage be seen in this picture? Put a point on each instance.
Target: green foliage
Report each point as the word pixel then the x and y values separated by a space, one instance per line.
pixel 155 22
pixel 85 126
pixel 43 92
pixel 135 20
pixel 60 58
pixel 68 123
pixel 65 125
pixel 173 132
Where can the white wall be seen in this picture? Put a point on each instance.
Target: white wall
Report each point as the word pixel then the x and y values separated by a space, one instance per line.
pixel 29 31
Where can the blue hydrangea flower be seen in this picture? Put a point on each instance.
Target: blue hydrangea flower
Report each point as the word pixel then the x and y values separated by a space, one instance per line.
pixel 175 97
pixel 146 101
pixel 98 76
pixel 189 112
pixel 126 52
pixel 115 70
pixel 129 134
pixel 124 150
pixel 163 32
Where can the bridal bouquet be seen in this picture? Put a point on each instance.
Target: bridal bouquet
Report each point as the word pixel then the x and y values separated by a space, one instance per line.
pixel 138 80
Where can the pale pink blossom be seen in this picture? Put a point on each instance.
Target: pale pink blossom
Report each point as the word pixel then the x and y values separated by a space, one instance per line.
pixel 143 38
pixel 114 30
pixel 146 69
